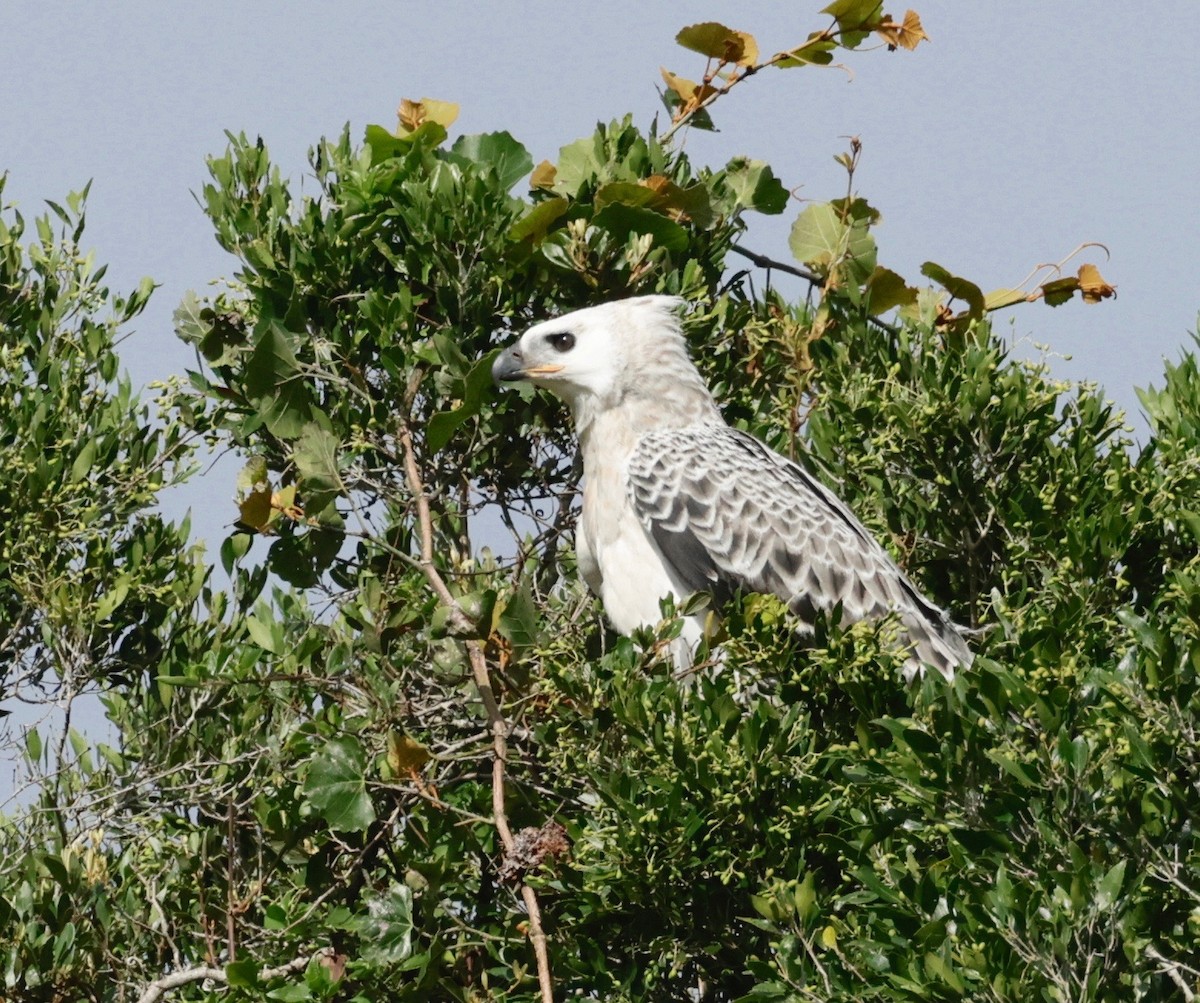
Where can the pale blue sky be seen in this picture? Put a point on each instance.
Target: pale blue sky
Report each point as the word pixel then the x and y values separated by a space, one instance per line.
pixel 1025 128
pixel 1022 130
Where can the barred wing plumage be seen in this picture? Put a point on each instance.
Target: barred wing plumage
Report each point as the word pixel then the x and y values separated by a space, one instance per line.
pixel 727 513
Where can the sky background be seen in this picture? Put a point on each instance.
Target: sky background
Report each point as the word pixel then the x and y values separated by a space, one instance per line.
pixel 1023 129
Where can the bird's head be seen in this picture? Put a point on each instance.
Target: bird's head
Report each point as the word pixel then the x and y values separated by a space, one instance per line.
pixel 591 358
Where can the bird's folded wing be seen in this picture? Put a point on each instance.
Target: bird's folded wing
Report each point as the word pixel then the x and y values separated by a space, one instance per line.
pixel 728 513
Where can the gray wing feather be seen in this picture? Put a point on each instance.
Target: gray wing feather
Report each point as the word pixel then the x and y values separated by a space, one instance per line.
pixel 728 513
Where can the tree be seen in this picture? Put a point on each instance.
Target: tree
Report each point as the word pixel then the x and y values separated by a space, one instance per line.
pixel 401 758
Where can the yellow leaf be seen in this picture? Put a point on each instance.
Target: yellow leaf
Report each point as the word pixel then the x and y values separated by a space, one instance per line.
pixel 1092 286
pixel 686 89
pixel 543 175
pixel 255 509
pixel 713 39
pixel 829 938
pixel 405 755
pixel 414 114
pixel 741 48
pixel 998 299
pixel 906 35
pixel 660 184
pixel 283 502
pixel 442 112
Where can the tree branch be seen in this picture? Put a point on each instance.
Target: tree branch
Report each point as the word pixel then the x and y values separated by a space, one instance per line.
pixel 186 976
pixel 483 683
pixel 764 262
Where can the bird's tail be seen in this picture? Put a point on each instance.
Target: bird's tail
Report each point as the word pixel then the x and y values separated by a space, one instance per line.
pixel 938 643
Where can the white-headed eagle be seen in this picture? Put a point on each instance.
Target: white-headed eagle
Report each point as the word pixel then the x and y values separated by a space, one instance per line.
pixel 675 501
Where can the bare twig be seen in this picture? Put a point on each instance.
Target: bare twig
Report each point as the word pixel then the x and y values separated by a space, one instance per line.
pixel 781 266
pixel 812 278
pixel 483 683
pixel 230 922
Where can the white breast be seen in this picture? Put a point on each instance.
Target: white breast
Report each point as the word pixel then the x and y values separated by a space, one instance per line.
pixel 633 577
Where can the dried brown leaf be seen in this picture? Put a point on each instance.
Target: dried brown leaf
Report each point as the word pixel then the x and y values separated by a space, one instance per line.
pixel 1092 286
pixel 406 755
pixel 908 34
pixel 543 175
pixel 413 114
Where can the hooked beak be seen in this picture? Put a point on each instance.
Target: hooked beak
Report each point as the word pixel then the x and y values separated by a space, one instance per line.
pixel 510 368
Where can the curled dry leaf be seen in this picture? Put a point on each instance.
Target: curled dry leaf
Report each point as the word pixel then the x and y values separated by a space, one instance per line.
pixel 908 34
pixel 1092 286
pixel 414 114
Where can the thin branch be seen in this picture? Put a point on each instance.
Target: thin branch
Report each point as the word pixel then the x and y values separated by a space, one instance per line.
pixel 770 263
pixel 483 683
pixel 1171 970
pixel 762 261
pixel 186 976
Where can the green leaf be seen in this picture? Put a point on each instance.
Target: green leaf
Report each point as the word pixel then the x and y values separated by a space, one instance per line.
pixel 336 787
pixel 33 746
pixel 623 220
pixel 243 973
pixel 886 290
pixel 477 390
pixel 188 682
pixel 753 185
pixel 253 475
pixel 713 39
pixel 1013 768
pixel 767 907
pixel 272 363
pixel 387 929
pixel 817 50
pixel 275 917
pixel 998 299
pixel 1059 291
pixel 623 193
pixel 262 633
pixel 851 14
pixel 1110 886
pixel 386 145
pixel 959 288
pixel 297 992
pixel 63 943
pixel 498 151
pixel 819 236
pixel 805 898
pixel 189 324
pixel 112 599
pixel 578 165
pixel 536 223
pixel 1146 635
pixel 316 457
pixel 518 621
pixel 83 461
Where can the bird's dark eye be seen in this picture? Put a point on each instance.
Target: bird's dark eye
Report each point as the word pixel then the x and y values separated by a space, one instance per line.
pixel 563 342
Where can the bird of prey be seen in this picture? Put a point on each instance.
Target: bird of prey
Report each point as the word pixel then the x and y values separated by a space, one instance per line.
pixel 675 501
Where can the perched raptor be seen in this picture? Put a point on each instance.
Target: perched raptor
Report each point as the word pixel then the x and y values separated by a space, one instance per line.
pixel 676 501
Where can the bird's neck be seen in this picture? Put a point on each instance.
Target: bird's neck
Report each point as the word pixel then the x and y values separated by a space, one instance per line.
pixel 616 426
